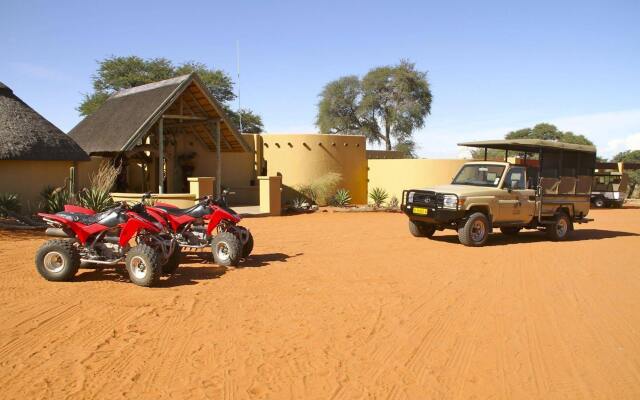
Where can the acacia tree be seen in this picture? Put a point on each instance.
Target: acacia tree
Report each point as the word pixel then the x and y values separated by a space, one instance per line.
pixel 387 105
pixel 115 73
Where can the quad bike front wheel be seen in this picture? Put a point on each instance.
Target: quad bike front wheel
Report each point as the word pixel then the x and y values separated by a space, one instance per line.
pixel 58 260
pixel 143 265
pixel 226 249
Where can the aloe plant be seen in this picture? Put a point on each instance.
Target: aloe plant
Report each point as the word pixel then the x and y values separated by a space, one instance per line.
pixel 342 198
pixel 9 202
pixel 379 196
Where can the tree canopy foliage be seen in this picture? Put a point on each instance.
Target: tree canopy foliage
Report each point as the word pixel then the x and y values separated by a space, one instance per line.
pixel 543 131
pixel 118 72
pixel 387 105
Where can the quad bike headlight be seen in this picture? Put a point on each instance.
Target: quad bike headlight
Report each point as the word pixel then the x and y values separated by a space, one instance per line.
pixel 450 201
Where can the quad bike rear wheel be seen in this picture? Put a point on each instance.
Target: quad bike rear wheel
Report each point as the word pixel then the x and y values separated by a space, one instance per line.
pixel 172 264
pixel 143 265
pixel 226 249
pixel 58 260
pixel 247 248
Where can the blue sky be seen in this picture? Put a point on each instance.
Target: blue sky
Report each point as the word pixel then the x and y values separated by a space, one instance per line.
pixel 492 66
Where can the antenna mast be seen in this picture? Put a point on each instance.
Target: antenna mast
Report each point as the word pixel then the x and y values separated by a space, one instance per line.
pixel 239 103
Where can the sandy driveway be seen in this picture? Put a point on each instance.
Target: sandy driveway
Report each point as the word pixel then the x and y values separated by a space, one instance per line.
pixel 338 306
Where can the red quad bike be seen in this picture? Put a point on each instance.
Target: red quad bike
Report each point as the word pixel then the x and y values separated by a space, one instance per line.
pixel 103 239
pixel 209 223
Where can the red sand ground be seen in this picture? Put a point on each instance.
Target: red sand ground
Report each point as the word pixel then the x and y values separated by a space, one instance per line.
pixel 338 306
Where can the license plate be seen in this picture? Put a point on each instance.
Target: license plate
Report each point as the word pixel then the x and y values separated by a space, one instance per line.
pixel 420 210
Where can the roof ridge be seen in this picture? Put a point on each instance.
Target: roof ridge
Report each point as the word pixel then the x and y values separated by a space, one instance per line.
pixel 150 86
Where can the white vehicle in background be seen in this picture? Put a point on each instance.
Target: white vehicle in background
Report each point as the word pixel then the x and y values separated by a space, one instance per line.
pixel 609 189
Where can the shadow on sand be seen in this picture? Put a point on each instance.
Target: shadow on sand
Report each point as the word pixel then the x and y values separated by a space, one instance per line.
pixel 189 273
pixel 498 239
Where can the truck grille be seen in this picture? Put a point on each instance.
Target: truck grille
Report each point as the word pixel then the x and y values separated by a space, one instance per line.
pixel 430 199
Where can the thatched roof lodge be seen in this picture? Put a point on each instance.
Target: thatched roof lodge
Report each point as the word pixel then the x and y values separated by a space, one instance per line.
pixel 27 135
pixel 175 123
pixel 34 153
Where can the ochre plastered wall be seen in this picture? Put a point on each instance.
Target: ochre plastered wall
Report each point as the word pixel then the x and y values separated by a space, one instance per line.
pixel 394 176
pixel 28 178
pixel 301 159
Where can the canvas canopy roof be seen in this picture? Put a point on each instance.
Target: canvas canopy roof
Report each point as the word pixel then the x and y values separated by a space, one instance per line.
pixel 27 135
pixel 529 145
pixel 126 118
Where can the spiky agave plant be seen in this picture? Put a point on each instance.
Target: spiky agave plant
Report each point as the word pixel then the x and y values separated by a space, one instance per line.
pixel 378 196
pixel 95 199
pixel 342 198
pixel 55 198
pixel 9 202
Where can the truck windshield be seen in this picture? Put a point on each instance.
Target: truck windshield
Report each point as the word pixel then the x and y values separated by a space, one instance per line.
pixel 479 175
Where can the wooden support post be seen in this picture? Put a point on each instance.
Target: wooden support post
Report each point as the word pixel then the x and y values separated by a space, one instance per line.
pixel 485 154
pixel 218 134
pixel 160 157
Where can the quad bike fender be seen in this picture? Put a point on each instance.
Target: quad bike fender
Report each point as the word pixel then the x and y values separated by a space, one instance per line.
pixel 82 232
pixel 218 216
pixel 133 226
pixel 158 216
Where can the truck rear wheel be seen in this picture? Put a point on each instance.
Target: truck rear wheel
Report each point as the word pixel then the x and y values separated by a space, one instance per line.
pixel 559 230
pixel 421 229
pixel 475 231
pixel 598 202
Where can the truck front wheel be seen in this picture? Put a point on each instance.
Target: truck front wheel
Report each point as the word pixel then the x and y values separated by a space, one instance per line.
pixel 475 231
pixel 421 229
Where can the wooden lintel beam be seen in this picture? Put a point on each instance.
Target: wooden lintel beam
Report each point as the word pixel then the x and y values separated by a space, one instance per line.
pixel 186 117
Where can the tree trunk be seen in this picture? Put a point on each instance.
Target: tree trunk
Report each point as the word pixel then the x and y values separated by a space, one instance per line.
pixel 387 133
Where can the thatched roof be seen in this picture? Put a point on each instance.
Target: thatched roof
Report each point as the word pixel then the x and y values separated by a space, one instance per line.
pixel 27 135
pixel 129 115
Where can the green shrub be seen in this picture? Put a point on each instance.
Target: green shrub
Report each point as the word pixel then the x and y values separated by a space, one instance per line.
pixel 9 202
pixel 95 199
pixel 97 196
pixel 321 191
pixel 55 198
pixel 342 198
pixel 394 202
pixel 379 196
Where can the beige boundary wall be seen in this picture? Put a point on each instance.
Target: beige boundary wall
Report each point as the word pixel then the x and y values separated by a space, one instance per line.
pixel 394 176
pixel 28 178
pixel 303 158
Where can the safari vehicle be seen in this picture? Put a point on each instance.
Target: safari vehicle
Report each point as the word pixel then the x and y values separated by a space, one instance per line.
pixel 609 189
pixel 550 191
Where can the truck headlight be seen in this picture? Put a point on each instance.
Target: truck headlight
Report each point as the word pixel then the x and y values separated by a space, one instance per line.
pixel 410 197
pixel 450 201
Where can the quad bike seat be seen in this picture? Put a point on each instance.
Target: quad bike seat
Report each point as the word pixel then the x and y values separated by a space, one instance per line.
pixel 106 218
pixel 197 211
